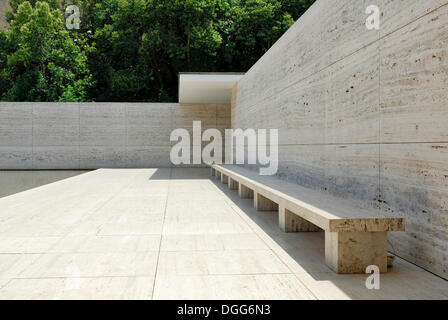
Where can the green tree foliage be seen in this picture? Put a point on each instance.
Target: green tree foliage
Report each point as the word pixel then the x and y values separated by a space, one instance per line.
pixel 143 58
pixel 296 7
pixel 5 81
pixel 255 26
pixel 133 50
pixel 43 62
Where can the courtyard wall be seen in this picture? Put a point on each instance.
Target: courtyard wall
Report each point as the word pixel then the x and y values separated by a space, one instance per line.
pixel 363 114
pixel 37 136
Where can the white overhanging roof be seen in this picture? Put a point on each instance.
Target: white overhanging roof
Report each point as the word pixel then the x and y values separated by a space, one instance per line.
pixel 207 87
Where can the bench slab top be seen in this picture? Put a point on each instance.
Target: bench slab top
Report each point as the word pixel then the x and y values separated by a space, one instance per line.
pixel 326 211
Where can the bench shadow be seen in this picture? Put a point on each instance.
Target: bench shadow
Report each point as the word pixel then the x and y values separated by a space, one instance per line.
pixel 306 248
pixel 304 253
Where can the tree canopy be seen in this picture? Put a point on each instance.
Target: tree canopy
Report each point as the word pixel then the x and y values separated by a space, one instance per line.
pixel 132 50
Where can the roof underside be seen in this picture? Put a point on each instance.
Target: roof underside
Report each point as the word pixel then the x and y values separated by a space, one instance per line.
pixel 207 87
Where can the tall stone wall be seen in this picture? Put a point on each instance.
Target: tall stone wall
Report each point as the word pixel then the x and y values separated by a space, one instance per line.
pixel 363 114
pixel 97 135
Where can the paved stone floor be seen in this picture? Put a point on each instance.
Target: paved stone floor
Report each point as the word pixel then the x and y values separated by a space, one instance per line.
pixel 169 234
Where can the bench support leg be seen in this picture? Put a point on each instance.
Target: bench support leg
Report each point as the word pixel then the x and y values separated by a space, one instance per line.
pixel 224 178
pixel 290 222
pixel 212 172
pixel 353 252
pixel 217 175
pixel 233 184
pixel 264 204
pixel 244 192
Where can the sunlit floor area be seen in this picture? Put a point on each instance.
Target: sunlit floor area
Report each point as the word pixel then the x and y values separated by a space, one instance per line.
pixel 170 234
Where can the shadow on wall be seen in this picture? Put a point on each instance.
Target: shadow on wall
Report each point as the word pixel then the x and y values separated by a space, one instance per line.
pixel 304 252
pixel 360 117
pixel 391 194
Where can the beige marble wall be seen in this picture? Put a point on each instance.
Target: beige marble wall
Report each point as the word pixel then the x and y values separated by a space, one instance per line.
pixel 12 182
pixel 97 135
pixel 363 113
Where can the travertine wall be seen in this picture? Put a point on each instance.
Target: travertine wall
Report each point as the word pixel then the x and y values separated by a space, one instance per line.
pixel 363 114
pixel 97 135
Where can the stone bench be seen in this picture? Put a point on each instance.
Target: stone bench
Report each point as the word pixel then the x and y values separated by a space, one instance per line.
pixel 355 236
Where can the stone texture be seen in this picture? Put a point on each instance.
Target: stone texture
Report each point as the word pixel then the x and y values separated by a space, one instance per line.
pixel 328 212
pixel 355 237
pixel 45 158
pixel 16 125
pixel 262 203
pixel 16 158
pixel 397 14
pixel 414 78
pixel 362 113
pixel 353 252
pixel 244 192
pixel 224 179
pixel 352 112
pixel 233 184
pixel 210 245
pixel 290 222
pixel 97 135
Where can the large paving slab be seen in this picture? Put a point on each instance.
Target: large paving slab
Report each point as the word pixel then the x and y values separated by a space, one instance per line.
pixel 170 234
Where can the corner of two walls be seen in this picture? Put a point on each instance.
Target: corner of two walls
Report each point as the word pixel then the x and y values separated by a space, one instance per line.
pixel 362 113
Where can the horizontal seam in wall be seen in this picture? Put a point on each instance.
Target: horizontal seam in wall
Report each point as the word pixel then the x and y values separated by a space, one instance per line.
pixel 347 56
pixel 360 143
pixel 121 146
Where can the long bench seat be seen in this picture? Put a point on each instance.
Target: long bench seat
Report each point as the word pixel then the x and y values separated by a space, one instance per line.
pixel 355 236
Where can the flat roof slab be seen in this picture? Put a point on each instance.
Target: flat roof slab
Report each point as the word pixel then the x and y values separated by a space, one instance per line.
pixel 170 234
pixel 207 87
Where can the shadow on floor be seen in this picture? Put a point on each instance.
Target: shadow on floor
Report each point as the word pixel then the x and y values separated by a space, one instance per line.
pixel 180 173
pixel 304 253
